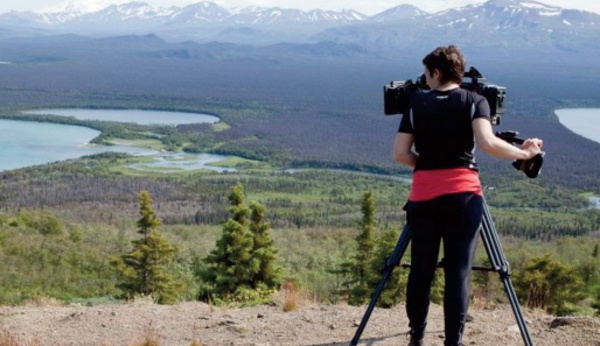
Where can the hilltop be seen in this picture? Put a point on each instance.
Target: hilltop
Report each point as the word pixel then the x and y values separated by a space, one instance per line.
pixel 310 324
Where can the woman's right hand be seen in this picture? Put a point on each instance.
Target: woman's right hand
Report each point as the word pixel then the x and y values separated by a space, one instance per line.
pixel 532 146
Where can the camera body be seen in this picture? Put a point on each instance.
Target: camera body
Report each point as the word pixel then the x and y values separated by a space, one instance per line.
pixel 397 94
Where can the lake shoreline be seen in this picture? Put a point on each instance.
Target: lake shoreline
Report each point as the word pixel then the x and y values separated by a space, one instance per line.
pixel 134 115
pixel 582 121
pixel 31 143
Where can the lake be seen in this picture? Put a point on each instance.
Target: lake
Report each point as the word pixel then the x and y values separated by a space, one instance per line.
pixel 29 143
pixel 583 121
pixel 26 143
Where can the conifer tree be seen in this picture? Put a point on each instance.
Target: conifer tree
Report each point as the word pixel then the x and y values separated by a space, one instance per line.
pixel 394 290
pixel 363 270
pixel 145 270
pixel 359 268
pixel 366 240
pixel 231 265
pixel 264 252
pixel 242 267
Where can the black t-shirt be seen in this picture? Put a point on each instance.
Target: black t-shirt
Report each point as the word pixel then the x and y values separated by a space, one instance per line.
pixel 441 124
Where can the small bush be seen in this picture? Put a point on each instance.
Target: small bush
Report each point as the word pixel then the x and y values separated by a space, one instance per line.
pixel 150 337
pixel 291 300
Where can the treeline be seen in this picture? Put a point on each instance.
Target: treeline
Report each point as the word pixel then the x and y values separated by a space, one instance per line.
pixel 77 260
pixel 306 198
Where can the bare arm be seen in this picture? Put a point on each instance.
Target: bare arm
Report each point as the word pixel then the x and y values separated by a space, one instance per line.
pixel 488 142
pixel 403 152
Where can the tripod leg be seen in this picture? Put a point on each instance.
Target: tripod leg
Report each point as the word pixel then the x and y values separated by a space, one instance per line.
pixel 392 261
pixel 500 264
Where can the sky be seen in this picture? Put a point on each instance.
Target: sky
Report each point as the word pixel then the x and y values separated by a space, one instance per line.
pixel 368 7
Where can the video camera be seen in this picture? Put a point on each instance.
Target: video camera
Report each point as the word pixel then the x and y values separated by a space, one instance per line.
pixel 396 100
pixel 397 94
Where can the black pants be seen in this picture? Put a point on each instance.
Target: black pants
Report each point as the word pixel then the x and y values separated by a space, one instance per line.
pixel 456 219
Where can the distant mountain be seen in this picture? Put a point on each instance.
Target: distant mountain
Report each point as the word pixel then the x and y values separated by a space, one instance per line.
pixel 495 28
pixel 397 13
pixel 515 14
pixel 203 21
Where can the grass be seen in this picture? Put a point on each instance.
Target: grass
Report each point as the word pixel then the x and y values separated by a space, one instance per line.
pixel 154 144
pixel 140 165
pixel 142 168
pixel 220 126
pixel 152 338
pixel 241 163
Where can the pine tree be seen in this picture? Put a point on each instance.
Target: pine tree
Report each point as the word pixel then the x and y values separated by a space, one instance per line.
pixel 268 275
pixel 394 290
pixel 242 267
pixel 360 266
pixel 366 240
pixel 363 270
pixel 145 270
pixel 231 265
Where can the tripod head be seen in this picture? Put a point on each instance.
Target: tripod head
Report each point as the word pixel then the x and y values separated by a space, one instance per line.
pixel 531 167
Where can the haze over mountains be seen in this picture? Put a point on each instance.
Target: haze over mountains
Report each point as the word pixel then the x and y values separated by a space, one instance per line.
pixel 512 31
pixel 330 69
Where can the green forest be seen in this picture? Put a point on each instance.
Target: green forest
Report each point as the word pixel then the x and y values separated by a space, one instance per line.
pixel 63 224
pixel 314 187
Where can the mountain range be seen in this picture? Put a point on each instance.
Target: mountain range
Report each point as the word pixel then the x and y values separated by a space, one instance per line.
pixel 498 27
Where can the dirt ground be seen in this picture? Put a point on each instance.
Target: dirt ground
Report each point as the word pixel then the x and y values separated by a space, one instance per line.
pixel 318 325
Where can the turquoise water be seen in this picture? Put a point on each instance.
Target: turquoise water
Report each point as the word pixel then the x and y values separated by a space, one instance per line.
pixel 25 143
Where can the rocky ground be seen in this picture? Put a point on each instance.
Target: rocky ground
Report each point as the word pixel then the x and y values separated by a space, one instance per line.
pixel 195 323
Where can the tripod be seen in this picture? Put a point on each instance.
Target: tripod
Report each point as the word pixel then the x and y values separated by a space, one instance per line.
pixel 498 264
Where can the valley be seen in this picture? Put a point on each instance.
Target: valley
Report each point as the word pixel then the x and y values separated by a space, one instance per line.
pixel 303 128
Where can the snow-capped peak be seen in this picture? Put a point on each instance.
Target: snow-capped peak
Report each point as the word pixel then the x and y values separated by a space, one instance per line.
pixel 81 6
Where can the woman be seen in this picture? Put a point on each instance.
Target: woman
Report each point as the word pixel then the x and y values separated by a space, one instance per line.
pixel 437 138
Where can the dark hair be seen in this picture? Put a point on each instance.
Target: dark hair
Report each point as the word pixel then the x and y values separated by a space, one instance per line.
pixel 449 61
